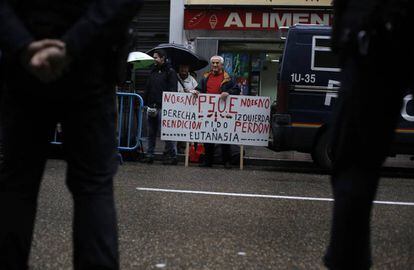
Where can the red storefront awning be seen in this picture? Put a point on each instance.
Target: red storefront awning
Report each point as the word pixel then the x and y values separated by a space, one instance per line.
pixel 250 19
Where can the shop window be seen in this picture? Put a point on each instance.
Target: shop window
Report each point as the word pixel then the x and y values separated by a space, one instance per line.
pixel 252 65
pixel 322 57
pixel 257 65
pixel 237 65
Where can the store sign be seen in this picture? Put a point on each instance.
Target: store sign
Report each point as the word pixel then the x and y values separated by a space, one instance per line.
pixel 198 19
pixel 262 2
pixel 240 120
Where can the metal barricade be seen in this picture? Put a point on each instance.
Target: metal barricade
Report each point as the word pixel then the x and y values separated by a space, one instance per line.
pixel 129 122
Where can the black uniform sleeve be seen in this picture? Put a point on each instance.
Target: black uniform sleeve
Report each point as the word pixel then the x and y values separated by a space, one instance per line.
pixel 104 18
pixel 13 34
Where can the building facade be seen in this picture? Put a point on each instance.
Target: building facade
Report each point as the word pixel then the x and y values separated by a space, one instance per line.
pixel 247 33
pixel 150 27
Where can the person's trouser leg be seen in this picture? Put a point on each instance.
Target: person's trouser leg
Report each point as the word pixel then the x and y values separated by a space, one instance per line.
pixel 171 149
pixel 226 153
pixel 354 190
pixel 153 125
pixel 209 153
pixel 368 108
pixel 90 146
pixel 25 132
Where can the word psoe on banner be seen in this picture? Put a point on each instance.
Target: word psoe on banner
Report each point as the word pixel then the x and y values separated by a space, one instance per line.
pixel 241 120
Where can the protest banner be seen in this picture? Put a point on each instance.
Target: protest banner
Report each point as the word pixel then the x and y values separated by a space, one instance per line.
pixel 240 120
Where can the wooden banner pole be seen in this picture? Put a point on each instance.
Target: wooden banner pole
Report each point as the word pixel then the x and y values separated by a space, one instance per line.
pixel 241 156
pixel 187 153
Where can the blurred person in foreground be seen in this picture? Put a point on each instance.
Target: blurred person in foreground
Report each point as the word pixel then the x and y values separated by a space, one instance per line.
pixel 217 81
pixel 61 59
pixel 1 92
pixel 373 85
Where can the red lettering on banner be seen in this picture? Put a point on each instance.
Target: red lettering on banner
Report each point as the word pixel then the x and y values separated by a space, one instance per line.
pixel 252 102
pixel 236 125
pixel 232 100
pixel 177 123
pixel 249 127
pixel 202 99
pixel 167 97
pixel 221 109
pixel 185 100
pixel 211 102
pixel 190 100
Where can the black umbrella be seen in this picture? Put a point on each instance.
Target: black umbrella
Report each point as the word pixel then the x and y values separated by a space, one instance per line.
pixel 178 54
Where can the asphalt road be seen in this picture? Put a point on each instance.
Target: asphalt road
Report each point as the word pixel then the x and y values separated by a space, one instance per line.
pixel 166 223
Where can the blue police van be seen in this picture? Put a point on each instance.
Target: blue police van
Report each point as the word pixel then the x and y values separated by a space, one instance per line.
pixel 309 80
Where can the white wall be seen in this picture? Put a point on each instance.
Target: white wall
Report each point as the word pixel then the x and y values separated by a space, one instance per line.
pixel 177 22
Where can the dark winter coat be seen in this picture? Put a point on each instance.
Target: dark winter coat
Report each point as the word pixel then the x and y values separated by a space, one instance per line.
pixel 161 79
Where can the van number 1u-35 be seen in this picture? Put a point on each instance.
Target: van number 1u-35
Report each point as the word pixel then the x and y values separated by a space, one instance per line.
pixel 306 78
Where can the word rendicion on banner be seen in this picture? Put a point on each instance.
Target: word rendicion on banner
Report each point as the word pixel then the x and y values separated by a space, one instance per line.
pixel 241 120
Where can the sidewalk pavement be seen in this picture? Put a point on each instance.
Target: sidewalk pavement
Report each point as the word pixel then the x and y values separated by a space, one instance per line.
pixel 263 156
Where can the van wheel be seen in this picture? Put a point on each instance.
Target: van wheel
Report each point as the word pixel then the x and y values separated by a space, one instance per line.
pixel 321 152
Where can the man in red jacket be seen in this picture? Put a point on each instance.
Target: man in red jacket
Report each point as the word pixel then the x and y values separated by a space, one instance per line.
pixel 218 82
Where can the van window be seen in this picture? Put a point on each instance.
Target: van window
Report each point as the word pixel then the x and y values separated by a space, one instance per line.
pixel 322 57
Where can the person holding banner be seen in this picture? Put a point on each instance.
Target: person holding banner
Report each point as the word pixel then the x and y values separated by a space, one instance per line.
pixel 186 84
pixel 217 81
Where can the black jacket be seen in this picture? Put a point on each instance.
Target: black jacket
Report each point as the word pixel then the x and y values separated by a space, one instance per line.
pixel 94 30
pixel 161 79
